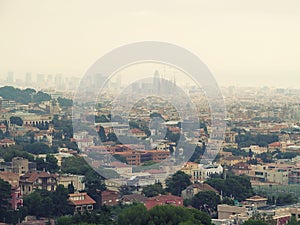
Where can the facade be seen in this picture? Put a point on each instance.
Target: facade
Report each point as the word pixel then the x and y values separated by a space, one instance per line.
pixel 31 181
pixel 81 202
pixel 133 198
pixel 76 180
pixel 256 201
pixel 226 211
pixel 20 165
pixel 200 172
pixel 5 143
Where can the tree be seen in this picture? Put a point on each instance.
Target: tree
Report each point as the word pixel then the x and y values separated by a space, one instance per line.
pixel 64 102
pixel 5 190
pixel 40 164
pixel 153 190
pixel 38 148
pixel 71 188
pixel 162 214
pixel 44 203
pixel 285 199
pixel 112 137
pixel 137 214
pixel 238 187
pixel 60 201
pixel 51 164
pixel 102 134
pixel 206 201
pixel 16 120
pixel 177 183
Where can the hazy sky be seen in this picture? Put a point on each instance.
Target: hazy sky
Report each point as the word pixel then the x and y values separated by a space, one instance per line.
pixel 243 42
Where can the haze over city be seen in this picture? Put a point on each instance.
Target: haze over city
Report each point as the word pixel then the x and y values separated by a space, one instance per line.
pixel 248 43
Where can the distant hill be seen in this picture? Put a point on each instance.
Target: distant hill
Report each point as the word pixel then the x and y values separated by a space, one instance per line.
pixel 23 96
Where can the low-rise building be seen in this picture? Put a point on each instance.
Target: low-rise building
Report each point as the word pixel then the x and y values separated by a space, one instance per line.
pixel 31 181
pixel 76 180
pixel 81 202
pixel 109 198
pixel 164 200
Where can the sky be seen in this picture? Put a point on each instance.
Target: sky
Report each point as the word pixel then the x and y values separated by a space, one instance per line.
pixel 247 43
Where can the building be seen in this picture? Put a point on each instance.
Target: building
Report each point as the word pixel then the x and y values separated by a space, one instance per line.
pixel 20 165
pixel 226 211
pixel 256 201
pixel 164 200
pixel 133 198
pixel 76 180
pixel 109 198
pixel 81 202
pixel 201 172
pixel 31 181
pixel 5 143
pixel 194 189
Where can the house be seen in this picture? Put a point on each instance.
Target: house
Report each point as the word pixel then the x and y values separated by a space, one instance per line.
pixel 164 200
pixel 194 189
pixel 109 198
pixel 256 201
pixel 81 202
pixel 76 180
pixel 134 198
pixel 31 181
pixel 5 143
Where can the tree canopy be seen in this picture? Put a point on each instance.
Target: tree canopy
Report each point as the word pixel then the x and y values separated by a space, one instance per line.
pixel 166 214
pixel 23 96
pixel 177 183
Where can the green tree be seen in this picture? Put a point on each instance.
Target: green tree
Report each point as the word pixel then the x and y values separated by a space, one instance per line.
pixel 177 183
pixel 153 190
pixel 162 214
pixel 64 102
pixel 206 201
pixel 71 188
pixel 38 148
pixel 16 120
pixel 51 164
pixel 5 190
pixel 102 134
pixel 137 214
pixel 112 137
pixel 60 201
pixel 238 187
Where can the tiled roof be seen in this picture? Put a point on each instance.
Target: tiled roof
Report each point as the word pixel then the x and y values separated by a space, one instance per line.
pixel 85 199
pixel 135 198
pixel 33 176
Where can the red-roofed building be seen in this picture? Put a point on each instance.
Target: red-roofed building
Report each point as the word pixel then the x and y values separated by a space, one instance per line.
pixel 81 202
pixel 6 143
pixel 138 133
pixel 109 198
pixel 164 200
pixel 274 146
pixel 31 181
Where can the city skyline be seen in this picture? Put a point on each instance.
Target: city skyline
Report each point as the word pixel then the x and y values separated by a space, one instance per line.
pixel 252 43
